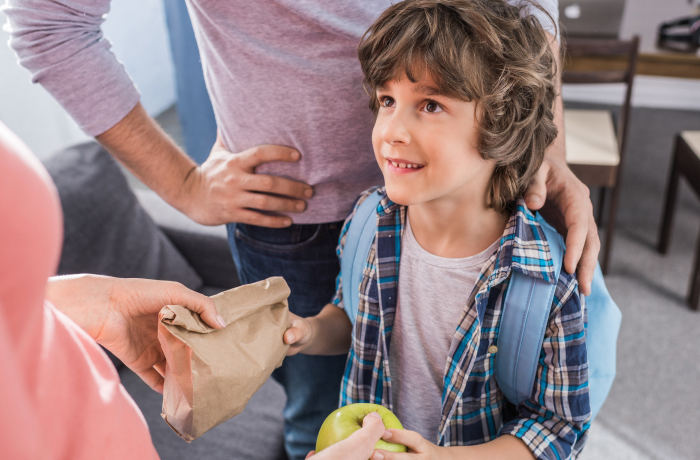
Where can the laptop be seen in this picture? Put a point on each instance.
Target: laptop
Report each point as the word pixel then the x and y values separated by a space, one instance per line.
pixel 591 18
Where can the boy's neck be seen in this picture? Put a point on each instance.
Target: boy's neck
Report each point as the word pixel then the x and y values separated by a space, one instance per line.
pixel 456 227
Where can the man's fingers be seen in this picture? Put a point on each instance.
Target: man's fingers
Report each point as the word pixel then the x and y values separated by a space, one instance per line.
pixel 267 153
pixel 575 240
pixel 264 202
pixel 536 193
pixel 589 260
pixel 278 185
pixel 310 454
pixel 248 216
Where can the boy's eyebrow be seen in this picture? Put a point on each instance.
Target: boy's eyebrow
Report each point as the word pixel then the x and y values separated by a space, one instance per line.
pixel 429 90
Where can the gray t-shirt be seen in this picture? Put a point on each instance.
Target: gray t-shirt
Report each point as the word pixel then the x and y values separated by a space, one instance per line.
pixel 278 72
pixel 433 293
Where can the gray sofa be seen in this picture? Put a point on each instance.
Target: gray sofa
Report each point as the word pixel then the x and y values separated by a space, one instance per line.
pixel 109 229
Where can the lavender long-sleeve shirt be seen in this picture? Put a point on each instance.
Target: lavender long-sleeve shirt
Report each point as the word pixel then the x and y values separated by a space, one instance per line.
pixel 278 72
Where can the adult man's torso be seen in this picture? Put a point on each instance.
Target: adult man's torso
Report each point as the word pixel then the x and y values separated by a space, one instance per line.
pixel 286 72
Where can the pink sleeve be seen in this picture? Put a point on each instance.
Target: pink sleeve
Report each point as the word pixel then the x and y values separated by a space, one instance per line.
pixel 74 407
pixel 61 396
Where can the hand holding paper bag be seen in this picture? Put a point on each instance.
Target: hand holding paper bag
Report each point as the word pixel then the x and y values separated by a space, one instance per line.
pixel 210 373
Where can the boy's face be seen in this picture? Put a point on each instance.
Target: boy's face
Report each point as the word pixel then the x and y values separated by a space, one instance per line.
pixel 426 145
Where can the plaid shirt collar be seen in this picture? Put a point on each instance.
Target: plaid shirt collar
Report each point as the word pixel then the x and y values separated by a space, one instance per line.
pixel 523 246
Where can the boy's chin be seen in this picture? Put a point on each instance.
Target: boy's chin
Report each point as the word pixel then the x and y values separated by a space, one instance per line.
pixel 402 195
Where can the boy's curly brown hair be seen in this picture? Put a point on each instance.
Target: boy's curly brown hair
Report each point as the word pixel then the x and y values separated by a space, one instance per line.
pixel 475 50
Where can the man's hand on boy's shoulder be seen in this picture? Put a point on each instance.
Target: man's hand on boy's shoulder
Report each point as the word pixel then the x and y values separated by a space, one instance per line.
pixel 565 202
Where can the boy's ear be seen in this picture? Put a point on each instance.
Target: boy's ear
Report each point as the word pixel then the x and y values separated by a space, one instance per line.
pixel 478 112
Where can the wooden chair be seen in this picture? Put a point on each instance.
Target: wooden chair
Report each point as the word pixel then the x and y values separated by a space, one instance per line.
pixel 594 152
pixel 685 163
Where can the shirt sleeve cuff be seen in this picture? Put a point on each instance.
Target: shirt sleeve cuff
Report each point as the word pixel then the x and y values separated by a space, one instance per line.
pixel 541 441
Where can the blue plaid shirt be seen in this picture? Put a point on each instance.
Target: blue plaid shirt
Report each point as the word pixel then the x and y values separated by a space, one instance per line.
pixel 554 421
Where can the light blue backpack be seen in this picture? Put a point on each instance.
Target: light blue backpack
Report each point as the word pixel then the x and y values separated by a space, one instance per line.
pixel 525 313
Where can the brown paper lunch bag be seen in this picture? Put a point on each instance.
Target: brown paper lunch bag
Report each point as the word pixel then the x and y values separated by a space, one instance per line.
pixel 210 374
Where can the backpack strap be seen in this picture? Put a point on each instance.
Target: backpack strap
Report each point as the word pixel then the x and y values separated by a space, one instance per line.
pixel 358 242
pixel 526 312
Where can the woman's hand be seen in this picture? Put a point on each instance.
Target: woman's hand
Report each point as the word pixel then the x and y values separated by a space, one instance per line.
pixel 359 445
pixel 122 315
pixel 299 335
pixel 418 447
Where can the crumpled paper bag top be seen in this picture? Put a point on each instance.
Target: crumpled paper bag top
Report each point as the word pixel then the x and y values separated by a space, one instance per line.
pixel 210 374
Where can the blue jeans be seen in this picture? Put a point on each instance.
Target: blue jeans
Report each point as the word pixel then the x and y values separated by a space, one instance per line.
pixel 305 256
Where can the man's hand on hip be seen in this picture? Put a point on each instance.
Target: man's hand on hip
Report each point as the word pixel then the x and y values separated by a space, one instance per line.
pixel 225 188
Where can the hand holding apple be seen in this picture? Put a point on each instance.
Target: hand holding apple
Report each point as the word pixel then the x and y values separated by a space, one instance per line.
pixel 359 445
pixel 343 422
pixel 418 447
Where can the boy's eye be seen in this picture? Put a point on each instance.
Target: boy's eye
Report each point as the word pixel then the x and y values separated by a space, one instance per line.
pixel 433 107
pixel 386 101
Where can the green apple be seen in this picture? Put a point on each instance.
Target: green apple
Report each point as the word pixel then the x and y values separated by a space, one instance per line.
pixel 345 421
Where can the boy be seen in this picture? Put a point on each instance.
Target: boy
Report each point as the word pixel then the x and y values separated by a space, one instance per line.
pixel 463 92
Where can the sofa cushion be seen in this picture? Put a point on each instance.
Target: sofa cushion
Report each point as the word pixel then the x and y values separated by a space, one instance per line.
pixel 105 229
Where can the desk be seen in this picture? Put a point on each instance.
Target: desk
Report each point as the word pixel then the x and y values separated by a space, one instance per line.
pixel 642 17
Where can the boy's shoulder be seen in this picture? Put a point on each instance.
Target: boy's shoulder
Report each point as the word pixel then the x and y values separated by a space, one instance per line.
pixel 361 199
pixel 364 195
pixel 533 253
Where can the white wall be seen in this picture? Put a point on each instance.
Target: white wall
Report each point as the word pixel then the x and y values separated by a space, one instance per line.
pixel 139 37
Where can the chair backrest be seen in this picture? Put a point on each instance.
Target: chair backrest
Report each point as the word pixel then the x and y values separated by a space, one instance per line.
pixel 605 54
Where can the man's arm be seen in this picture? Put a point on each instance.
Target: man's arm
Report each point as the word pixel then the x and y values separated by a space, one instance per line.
pixel 62 45
pixel 565 200
pixel 223 189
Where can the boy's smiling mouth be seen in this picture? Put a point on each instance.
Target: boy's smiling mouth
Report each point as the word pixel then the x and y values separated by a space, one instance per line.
pixel 401 166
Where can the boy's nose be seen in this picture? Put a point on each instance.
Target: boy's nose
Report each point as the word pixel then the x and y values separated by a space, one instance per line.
pixel 395 131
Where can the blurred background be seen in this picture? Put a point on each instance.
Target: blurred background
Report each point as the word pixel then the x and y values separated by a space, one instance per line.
pixel 653 411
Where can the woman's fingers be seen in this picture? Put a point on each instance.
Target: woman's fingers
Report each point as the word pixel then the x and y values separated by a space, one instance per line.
pixel 360 444
pixel 153 379
pixel 198 303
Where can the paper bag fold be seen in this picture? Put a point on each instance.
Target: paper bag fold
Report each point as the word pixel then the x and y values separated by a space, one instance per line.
pixel 211 374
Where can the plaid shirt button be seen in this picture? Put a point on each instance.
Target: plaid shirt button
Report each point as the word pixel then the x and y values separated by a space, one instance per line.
pixel 493 349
